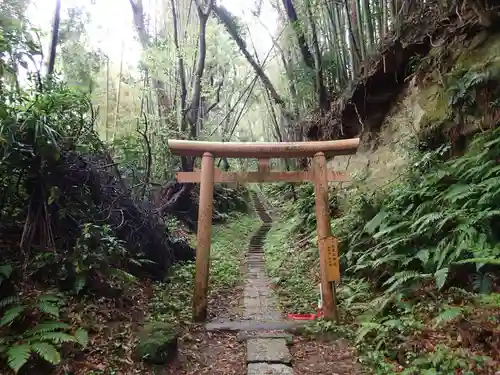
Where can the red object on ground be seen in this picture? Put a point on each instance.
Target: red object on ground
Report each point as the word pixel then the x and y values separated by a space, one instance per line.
pixel 301 316
pixel 318 314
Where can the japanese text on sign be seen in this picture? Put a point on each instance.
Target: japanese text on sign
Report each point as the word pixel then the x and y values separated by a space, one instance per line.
pixel 329 247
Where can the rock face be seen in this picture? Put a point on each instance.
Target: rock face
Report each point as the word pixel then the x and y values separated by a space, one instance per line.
pixel 429 85
pixel 429 108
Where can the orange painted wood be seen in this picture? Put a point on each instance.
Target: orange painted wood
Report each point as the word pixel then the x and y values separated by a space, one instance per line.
pixel 263 150
pixel 324 231
pixel 263 165
pixel 242 177
pixel 204 238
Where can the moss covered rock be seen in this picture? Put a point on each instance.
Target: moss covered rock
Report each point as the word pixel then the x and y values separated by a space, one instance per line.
pixel 157 344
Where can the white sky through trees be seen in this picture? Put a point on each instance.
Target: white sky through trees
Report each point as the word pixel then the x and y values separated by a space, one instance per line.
pixel 111 23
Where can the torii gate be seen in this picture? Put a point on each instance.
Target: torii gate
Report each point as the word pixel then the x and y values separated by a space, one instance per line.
pixel 263 151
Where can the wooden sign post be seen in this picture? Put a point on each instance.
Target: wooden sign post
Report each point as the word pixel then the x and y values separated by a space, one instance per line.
pixel 320 175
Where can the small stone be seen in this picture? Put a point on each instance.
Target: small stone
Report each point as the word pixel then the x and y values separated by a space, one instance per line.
pixel 268 369
pixel 268 350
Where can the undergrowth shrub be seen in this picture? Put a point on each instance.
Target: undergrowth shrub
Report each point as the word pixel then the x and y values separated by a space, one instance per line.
pixel 414 256
pixel 32 328
pixel 440 216
pixel 292 264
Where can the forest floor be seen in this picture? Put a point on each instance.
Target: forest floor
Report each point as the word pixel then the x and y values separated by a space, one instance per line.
pixel 117 326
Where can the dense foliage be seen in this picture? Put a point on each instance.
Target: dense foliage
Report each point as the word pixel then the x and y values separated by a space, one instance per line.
pixel 420 254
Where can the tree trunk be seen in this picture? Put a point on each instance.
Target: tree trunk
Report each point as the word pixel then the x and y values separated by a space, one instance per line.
pixel 324 102
pixel 224 17
pixel 118 92
pixel 55 39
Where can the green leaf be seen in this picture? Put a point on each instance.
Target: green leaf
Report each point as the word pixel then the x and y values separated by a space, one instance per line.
pixel 375 222
pixel 79 283
pixel 47 327
pixel 11 314
pixel 494 261
pixel 423 255
pixel 6 270
pixel 57 337
pixel 82 337
pixel 17 356
pixel 49 308
pixel 447 315
pixel 47 352
pixel 441 276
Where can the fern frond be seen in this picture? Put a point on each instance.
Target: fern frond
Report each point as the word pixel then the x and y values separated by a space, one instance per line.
pixel 426 221
pixel 449 314
pixel 47 352
pixel 494 261
pixel 375 222
pixel 402 278
pixel 48 308
pixel 6 270
pixel 47 327
pixel 9 301
pixel 17 356
pixel 365 329
pixel 11 314
pixel 82 337
pixel 54 337
pixel 441 276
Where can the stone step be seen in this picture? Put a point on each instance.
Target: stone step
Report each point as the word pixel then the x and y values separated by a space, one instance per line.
pixel 269 369
pixel 269 350
pixel 254 325
pixel 255 262
pixel 244 336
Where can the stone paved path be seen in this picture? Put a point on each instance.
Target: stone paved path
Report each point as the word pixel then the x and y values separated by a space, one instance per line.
pixel 262 327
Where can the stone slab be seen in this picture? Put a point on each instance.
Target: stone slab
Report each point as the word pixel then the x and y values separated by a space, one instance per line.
pixel 253 325
pixel 268 369
pixel 268 350
pixel 244 336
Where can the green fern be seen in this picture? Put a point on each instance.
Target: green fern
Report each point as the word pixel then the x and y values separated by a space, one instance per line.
pixel 50 326
pixel 47 352
pixel 18 355
pixel 82 337
pixel 43 340
pixel 5 272
pixel 48 308
pixel 12 314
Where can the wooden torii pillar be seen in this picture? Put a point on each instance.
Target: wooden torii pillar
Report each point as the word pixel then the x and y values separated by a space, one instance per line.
pixel 263 151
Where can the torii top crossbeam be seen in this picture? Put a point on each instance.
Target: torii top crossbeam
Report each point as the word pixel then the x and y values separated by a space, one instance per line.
pixel 263 149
